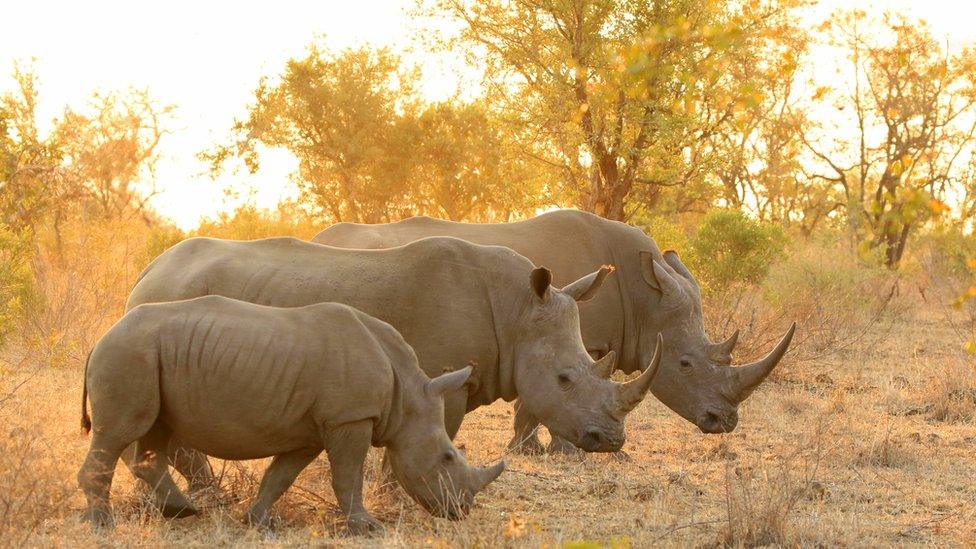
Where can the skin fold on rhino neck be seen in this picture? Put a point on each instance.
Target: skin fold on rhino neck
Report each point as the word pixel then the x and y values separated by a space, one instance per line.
pixel 497 381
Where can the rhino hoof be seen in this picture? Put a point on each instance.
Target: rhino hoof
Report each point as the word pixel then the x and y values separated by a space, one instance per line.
pixel 262 521
pixel 178 511
pixel 99 518
pixel 363 525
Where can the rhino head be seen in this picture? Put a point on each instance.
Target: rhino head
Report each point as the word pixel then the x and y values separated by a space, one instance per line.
pixel 425 462
pixel 696 378
pixel 557 380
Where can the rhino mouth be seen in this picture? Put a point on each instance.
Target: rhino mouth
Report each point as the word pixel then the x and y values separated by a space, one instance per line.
pixel 595 440
pixel 712 423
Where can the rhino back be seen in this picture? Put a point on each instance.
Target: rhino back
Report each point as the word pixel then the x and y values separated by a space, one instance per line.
pixel 241 381
pixel 436 292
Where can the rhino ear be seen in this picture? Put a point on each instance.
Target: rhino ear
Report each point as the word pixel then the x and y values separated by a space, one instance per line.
pixel 586 287
pixel 541 279
pixel 446 383
pixel 647 270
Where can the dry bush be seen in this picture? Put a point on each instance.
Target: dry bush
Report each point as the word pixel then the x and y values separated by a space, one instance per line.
pixel 951 396
pixel 883 450
pixel 837 302
pixel 760 500
pixel 32 489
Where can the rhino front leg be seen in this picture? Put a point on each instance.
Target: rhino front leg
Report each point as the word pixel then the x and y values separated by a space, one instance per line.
pixel 278 477
pixel 347 447
pixel 526 438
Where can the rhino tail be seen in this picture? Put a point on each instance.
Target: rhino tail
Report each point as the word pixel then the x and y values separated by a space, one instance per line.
pixel 86 423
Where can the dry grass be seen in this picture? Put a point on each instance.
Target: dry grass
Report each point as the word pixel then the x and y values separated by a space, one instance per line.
pixel 871 446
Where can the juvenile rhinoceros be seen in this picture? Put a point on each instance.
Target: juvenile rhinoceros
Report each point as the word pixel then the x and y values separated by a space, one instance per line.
pixel 244 381
pixel 652 293
pixel 453 301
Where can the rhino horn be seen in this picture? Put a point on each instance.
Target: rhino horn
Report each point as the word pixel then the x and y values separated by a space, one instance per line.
pixel 748 377
pixel 722 352
pixel 488 474
pixel 632 392
pixel 604 367
pixel 448 382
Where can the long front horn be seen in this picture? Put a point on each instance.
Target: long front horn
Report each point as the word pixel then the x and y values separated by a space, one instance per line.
pixel 603 368
pixel 748 377
pixel 488 474
pixel 723 351
pixel 632 392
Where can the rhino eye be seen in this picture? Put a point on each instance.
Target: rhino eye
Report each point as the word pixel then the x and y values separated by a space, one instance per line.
pixel 448 457
pixel 564 381
pixel 686 366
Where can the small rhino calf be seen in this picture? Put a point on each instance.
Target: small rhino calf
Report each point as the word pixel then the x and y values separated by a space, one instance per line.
pixel 243 381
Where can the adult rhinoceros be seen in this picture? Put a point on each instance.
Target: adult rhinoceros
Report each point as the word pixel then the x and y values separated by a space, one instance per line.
pixel 652 293
pixel 453 302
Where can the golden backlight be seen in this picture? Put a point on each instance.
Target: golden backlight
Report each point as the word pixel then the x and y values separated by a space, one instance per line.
pixel 206 58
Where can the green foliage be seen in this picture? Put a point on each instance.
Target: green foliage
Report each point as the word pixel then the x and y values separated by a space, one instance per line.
pixel 614 98
pixel 17 287
pixel 368 151
pixel 731 248
pixel 248 222
pixel 160 239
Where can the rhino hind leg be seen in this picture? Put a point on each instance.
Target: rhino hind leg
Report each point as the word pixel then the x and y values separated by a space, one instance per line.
pixel 278 477
pixel 192 464
pixel 151 466
pixel 95 479
pixel 526 438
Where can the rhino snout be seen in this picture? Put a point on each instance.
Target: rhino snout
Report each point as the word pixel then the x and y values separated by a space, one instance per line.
pixel 596 440
pixel 715 423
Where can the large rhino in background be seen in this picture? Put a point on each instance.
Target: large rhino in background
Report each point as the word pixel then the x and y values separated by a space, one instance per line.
pixel 244 381
pixel 652 293
pixel 454 302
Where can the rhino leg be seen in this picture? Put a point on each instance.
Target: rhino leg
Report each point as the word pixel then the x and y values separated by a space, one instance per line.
pixel 278 477
pixel 125 405
pixel 95 478
pixel 526 439
pixel 150 466
pixel 347 446
pixel 192 464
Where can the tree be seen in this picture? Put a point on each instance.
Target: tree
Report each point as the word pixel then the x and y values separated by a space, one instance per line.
pixel 112 151
pixel 616 97
pixel 342 116
pixel 910 108
pixel 466 169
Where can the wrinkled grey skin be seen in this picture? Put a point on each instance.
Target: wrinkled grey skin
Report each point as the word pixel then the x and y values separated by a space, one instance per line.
pixel 453 301
pixel 244 381
pixel 652 293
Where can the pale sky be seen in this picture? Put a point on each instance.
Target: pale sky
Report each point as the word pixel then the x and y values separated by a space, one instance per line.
pixel 205 57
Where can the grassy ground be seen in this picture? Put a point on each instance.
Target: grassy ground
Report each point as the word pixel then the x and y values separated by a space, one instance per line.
pixel 874 446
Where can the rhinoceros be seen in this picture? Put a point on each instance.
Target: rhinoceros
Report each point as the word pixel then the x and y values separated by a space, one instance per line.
pixel 452 300
pixel 651 294
pixel 244 381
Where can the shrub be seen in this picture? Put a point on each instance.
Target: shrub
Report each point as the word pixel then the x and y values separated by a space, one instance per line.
pixel 730 248
pixel 249 222
pixel 17 288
